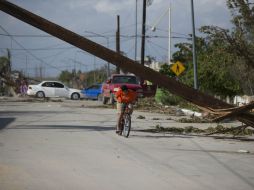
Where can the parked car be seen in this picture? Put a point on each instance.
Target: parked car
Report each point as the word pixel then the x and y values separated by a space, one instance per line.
pixel 53 89
pixel 115 82
pixel 93 92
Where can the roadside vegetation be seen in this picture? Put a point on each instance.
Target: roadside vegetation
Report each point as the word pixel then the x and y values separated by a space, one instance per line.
pixel 78 79
pixel 225 57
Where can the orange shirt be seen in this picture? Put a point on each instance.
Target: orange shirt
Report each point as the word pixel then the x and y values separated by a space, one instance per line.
pixel 126 98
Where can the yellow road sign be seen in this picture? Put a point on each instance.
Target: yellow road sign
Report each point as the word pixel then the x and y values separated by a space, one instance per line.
pixel 177 68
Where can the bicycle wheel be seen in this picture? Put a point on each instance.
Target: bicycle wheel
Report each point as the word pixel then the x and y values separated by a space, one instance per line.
pixel 127 125
pixel 121 127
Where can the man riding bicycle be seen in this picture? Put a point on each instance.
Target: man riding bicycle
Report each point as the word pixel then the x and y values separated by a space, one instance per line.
pixel 124 97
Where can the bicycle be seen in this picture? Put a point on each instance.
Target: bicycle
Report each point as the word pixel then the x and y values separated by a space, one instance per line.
pixel 126 122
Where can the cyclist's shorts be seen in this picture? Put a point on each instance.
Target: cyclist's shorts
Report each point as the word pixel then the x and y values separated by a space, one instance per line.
pixel 121 107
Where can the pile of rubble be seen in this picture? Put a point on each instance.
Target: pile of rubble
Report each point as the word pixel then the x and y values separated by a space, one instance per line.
pixel 150 105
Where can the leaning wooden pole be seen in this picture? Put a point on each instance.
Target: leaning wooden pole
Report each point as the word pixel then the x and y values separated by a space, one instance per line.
pixel 177 88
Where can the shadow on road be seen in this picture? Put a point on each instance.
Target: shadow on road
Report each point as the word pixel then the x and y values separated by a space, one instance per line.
pixel 90 128
pixel 11 113
pixel 4 122
pixel 95 128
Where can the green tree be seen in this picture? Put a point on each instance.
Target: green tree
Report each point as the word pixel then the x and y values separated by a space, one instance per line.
pixel 83 78
pixel 214 70
pixel 237 42
pixel 66 77
pixel 96 76
pixel 225 57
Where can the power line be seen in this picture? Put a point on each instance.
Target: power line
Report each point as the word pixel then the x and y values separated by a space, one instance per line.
pixel 28 50
pixel 123 36
pixel 39 49
pixel 157 45
pixel 87 65
pixel 26 35
pixel 49 56
pixel 156 50
pixel 148 52
pixel 166 30
pixel 130 49
pixel 128 17
pixel 54 55
pixel 37 36
pixel 126 26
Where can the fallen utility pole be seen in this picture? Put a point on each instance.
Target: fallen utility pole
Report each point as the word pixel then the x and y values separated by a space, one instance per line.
pixel 204 101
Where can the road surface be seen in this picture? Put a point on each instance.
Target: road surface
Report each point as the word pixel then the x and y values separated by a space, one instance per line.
pixel 71 145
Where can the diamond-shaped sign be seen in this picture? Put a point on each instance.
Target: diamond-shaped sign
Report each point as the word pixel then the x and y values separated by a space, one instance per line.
pixel 177 68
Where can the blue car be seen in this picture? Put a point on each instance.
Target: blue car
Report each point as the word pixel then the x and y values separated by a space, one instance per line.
pixel 93 92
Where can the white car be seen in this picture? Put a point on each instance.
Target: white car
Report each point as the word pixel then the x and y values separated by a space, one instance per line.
pixel 53 89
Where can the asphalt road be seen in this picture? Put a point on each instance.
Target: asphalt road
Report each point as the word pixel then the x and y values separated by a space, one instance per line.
pixel 71 145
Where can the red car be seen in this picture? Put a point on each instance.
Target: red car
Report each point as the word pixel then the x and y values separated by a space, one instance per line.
pixel 117 80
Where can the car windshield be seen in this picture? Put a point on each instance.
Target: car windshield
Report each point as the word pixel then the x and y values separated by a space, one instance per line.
pixel 125 79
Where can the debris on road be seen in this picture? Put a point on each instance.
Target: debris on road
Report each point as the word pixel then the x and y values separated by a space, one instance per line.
pixel 193 120
pixel 191 113
pixel 150 105
pixel 141 117
pixel 243 151
pixel 219 129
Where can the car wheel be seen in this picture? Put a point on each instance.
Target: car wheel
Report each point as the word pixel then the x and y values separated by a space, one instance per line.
pixel 40 94
pixel 104 100
pixel 75 96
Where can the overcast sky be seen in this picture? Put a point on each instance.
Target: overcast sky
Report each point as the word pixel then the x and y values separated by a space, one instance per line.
pixel 97 18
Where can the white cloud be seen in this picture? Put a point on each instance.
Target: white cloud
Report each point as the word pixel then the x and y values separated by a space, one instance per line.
pixel 214 12
pixel 111 6
pixel 211 2
pixel 79 4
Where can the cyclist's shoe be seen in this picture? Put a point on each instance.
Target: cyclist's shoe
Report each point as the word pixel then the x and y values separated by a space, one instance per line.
pixel 119 132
